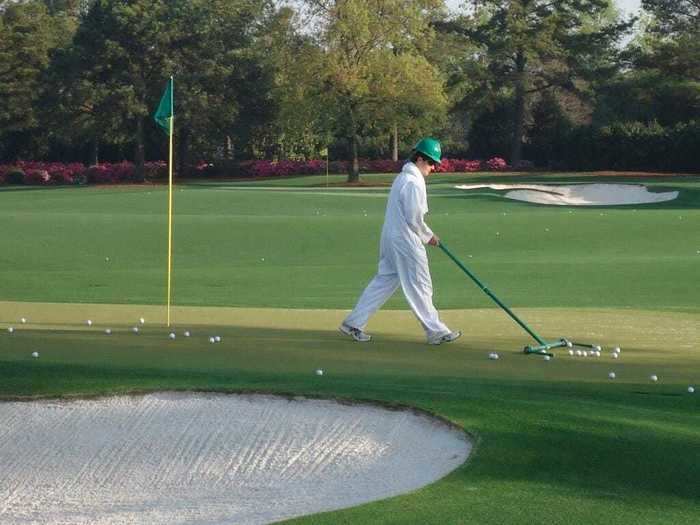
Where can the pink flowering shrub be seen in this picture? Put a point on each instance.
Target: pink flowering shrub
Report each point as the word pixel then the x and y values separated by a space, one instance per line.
pixel 496 164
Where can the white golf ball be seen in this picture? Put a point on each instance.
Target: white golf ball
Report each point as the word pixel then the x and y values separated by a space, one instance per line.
pixel 10 329
pixel 319 372
pixel 212 340
pixel 493 355
pixel 597 353
pixel 611 375
pixel 584 353
pixel 691 390
pixel 579 353
pixel 23 320
pixel 108 331
pixel 615 355
pixel 547 358
pixel 617 350
pixel 217 338
pixel 571 352
pixel 171 335
pixel 135 329
pixel 597 348
pixel 187 333
pixel 142 320
pixel 89 322
pixel 653 377
pixel 35 354
pixel 569 344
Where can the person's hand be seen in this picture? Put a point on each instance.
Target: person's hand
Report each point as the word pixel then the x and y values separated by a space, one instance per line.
pixel 435 241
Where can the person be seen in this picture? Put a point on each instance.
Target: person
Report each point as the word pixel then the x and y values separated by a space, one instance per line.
pixel 402 257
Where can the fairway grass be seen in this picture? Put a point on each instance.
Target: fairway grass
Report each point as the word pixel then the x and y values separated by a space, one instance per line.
pixel 273 267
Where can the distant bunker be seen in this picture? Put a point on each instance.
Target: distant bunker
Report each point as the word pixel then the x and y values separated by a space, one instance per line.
pixel 577 194
pixel 208 458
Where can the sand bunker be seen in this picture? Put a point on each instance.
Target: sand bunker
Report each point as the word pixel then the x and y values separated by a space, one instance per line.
pixel 210 458
pixel 578 194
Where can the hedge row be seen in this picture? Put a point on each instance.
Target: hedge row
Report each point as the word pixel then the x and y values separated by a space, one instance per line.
pixel 629 146
pixel 54 173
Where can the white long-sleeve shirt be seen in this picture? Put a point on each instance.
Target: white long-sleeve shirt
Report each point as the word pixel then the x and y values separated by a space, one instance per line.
pixel 406 207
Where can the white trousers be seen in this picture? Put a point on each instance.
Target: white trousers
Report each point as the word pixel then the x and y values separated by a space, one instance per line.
pixel 404 264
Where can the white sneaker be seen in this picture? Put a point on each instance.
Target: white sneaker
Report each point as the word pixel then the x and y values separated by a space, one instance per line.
pixel 447 338
pixel 357 334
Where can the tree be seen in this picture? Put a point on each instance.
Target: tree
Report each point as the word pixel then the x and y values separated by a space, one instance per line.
pixel 28 35
pixel 362 41
pixel 531 46
pixel 124 51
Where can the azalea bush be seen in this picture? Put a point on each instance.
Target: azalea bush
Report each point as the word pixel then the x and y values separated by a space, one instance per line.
pixel 55 173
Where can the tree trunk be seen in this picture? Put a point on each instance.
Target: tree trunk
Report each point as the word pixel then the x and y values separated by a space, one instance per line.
pixel 139 155
pixel 354 172
pixel 95 152
pixel 183 152
pixel 519 112
pixel 395 150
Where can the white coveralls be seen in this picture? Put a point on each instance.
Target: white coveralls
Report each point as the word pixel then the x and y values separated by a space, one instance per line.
pixel 402 257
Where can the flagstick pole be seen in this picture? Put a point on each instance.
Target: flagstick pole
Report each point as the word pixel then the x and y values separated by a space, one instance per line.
pixel 170 206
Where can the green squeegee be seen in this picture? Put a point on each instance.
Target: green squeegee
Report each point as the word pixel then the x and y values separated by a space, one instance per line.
pixel 543 346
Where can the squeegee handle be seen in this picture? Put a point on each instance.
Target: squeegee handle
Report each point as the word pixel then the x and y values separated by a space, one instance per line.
pixel 490 294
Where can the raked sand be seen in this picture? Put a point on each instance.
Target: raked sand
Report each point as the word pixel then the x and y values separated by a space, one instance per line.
pixel 578 194
pixel 196 458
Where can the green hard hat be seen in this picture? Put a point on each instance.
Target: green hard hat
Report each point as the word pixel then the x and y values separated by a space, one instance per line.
pixel 430 147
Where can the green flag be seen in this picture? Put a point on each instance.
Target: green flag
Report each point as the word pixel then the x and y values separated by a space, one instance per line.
pixel 165 109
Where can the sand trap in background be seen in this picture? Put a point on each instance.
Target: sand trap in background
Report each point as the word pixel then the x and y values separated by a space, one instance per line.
pixel 578 194
pixel 210 458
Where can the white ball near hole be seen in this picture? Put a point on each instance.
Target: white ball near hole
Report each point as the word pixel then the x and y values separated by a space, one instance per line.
pixel 654 377
pixel 35 354
pixel 691 390
pixel 611 375
pixel 319 372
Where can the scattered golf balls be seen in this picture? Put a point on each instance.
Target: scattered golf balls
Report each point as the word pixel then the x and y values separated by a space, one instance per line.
pixel 23 320
pixel 597 353
pixel 611 375
pixel 142 320
pixel 547 358
pixel 597 348
pixel 579 353
pixel 571 352
pixel 217 338
pixel 108 331
pixel 212 340
pixel 653 377
pixel 493 355
pixel 187 333
pixel 615 355
pixel 569 344
pixel 135 329
pixel 10 329
pixel 319 372
pixel 89 322
pixel 584 353
pixel 617 350
pixel 691 390
pixel 171 335
pixel 35 354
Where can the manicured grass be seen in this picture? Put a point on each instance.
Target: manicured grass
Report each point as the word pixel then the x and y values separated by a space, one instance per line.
pixel 556 442
pixel 312 248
